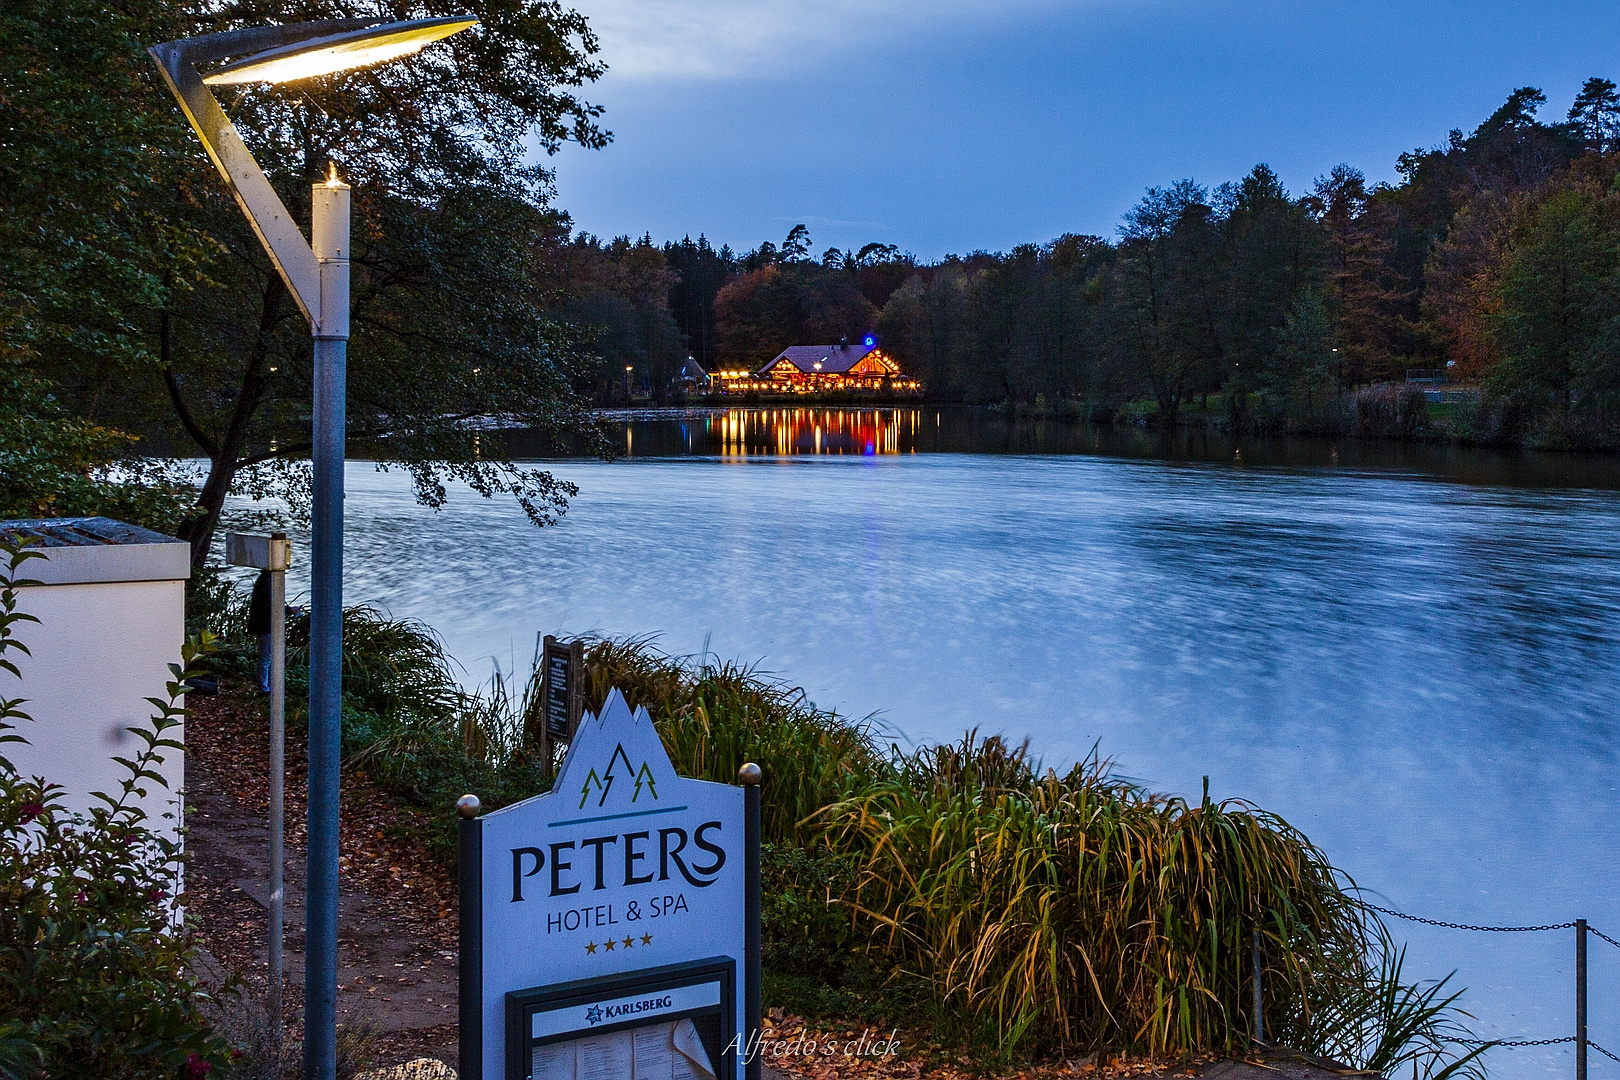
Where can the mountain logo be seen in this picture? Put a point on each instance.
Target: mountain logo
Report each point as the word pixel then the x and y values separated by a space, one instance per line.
pixel 602 783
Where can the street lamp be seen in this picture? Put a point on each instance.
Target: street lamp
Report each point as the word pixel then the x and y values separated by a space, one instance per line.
pixel 317 275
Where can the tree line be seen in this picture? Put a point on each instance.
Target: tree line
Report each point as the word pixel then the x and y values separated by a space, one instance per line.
pixel 1495 260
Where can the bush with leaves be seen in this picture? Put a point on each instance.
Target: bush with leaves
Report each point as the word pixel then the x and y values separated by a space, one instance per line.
pixel 94 963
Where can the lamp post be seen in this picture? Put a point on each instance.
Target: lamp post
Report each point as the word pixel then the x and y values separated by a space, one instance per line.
pixel 317 276
pixel 627 369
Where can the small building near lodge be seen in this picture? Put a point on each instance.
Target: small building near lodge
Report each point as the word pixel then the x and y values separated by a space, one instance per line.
pixel 817 368
pixel 692 378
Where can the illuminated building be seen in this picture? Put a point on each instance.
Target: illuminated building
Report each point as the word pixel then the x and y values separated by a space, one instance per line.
pixel 811 369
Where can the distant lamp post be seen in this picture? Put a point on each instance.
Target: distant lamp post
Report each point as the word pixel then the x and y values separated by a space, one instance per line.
pixel 627 369
pixel 317 275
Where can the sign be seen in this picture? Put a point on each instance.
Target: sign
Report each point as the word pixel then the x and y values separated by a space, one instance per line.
pixel 562 672
pixel 670 1023
pixel 605 924
pixel 260 552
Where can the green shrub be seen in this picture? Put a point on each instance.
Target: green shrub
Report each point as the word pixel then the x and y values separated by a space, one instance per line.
pixel 54 464
pixel 807 926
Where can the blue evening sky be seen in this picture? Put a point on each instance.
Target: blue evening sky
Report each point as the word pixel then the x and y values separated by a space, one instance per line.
pixel 954 125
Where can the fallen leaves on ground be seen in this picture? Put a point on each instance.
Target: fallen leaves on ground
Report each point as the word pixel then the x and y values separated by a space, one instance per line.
pixel 829 1051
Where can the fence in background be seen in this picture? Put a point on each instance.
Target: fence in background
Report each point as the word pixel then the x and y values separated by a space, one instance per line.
pixel 1582 928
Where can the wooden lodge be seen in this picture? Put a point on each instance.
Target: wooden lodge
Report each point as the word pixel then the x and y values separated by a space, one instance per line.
pixel 814 369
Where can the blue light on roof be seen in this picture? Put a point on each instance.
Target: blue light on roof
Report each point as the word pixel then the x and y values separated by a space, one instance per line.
pixel 870 341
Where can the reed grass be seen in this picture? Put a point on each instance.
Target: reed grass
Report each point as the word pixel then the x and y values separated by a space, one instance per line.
pixel 1082 911
pixel 1386 1025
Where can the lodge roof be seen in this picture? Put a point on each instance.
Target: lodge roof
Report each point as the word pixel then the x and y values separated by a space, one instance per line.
pixel 821 359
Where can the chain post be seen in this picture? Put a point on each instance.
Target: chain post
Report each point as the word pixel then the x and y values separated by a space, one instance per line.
pixel 1580 999
pixel 1259 1000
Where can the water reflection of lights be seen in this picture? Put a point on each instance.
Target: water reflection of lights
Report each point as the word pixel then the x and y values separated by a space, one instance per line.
pixel 790 431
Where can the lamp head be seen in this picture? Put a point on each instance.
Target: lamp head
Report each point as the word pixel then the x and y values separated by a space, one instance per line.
pixel 338 52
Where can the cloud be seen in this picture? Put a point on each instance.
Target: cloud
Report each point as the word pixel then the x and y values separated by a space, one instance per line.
pixel 717 39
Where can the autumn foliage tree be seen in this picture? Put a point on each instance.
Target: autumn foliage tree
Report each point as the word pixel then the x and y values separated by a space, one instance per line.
pixel 791 301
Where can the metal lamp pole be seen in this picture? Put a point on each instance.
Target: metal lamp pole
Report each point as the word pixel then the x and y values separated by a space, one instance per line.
pixel 280 551
pixel 330 232
pixel 317 277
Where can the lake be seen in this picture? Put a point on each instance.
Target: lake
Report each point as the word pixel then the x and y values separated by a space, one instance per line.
pixel 1410 652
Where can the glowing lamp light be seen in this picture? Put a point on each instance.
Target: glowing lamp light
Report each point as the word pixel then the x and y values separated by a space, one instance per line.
pixel 338 52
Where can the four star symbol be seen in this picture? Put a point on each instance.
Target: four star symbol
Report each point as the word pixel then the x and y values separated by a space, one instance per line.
pixel 610 944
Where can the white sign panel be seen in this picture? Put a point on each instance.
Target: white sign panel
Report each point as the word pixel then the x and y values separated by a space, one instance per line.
pixel 622 867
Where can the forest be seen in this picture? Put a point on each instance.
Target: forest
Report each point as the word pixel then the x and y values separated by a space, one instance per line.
pixel 1495 260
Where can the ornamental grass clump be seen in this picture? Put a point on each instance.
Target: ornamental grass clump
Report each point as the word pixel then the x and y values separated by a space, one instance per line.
pixel 1081 911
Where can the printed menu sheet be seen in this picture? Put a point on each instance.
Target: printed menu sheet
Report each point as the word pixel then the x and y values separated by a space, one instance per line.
pixel 671 1051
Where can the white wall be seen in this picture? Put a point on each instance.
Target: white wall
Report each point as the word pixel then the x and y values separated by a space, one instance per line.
pixel 98 651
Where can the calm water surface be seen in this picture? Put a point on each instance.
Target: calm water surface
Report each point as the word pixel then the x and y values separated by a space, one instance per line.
pixel 1411 653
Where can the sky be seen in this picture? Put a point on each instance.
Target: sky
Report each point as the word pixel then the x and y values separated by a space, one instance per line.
pixel 949 126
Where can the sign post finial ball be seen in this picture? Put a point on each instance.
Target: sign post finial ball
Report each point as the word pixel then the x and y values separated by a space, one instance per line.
pixel 749 775
pixel 468 806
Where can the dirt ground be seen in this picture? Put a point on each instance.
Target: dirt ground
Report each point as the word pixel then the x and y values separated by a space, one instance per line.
pixel 397 926
pixel 396 909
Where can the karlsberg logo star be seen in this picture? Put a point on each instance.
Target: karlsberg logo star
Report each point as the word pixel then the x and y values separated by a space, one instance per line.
pixel 594 1015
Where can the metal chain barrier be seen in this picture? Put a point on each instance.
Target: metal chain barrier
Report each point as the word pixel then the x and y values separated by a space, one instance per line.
pixel 1584 927
pixel 1484 929
pixel 1520 1042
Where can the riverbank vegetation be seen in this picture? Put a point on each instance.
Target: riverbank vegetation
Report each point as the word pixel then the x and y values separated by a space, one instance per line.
pixel 1016 909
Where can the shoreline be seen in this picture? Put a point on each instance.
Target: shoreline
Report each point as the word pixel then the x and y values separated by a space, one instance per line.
pixel 1205 422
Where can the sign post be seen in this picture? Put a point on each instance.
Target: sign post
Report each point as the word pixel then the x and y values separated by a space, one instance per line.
pixel 562 692
pixel 610 927
pixel 272 553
